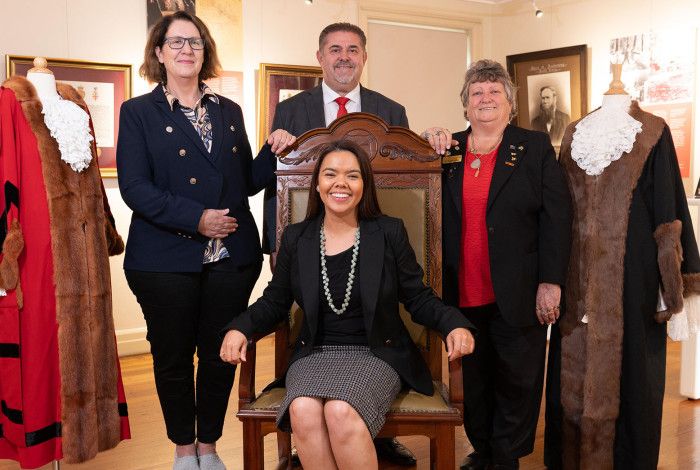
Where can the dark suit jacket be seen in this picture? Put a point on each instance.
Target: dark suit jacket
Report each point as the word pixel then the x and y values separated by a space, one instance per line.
pixel 561 120
pixel 528 219
pixel 389 274
pixel 167 177
pixel 305 111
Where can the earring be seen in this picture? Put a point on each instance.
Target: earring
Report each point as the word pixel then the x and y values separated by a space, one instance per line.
pixel 317 189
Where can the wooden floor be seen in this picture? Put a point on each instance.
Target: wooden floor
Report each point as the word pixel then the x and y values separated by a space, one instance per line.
pixel 149 448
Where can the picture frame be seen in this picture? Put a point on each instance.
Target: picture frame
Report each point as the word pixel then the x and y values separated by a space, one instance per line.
pixel 104 87
pixel 552 88
pixel 278 82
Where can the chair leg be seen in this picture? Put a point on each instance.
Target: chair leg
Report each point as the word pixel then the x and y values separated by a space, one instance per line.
pixel 445 448
pixel 284 450
pixel 253 458
pixel 433 453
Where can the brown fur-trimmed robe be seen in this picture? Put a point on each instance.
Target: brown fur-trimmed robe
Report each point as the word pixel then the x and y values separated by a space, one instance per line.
pixel 92 408
pixel 631 235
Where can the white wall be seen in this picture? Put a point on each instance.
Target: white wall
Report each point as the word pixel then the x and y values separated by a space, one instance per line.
pixel 594 23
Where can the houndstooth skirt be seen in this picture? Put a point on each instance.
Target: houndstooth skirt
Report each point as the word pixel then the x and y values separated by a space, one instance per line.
pixel 348 373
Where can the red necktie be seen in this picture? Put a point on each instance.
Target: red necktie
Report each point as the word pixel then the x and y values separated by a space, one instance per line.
pixel 342 110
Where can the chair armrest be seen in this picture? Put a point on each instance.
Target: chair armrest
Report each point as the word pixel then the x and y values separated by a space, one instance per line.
pixel 456 385
pixel 246 385
pixel 246 380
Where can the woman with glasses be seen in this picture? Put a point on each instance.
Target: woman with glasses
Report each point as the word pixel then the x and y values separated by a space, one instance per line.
pixel 193 254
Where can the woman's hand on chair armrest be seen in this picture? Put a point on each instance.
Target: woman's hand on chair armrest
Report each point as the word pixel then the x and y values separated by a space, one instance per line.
pixel 234 347
pixel 459 342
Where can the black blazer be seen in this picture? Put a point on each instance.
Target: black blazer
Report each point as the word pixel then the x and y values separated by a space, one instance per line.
pixel 389 274
pixel 528 219
pixel 167 177
pixel 305 111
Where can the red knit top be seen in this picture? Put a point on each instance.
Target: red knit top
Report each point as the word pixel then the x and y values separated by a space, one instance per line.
pixel 475 287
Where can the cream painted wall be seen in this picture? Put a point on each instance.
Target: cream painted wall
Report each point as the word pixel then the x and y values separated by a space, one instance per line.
pixel 595 23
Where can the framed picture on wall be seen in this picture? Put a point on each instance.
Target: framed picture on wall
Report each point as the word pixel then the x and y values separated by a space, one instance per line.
pixel 103 86
pixel 277 83
pixel 552 88
pixel 156 9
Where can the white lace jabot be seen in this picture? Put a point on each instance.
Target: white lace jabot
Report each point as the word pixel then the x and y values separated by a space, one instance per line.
pixel 604 135
pixel 70 126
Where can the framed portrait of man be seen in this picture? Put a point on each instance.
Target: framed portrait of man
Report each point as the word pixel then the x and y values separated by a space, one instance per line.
pixel 552 89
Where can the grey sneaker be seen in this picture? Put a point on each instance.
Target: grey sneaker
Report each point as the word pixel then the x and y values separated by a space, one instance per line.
pixel 186 462
pixel 211 462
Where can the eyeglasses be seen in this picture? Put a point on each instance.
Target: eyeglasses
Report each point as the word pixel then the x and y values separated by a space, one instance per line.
pixel 197 44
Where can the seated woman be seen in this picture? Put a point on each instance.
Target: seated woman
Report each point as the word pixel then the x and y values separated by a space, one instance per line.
pixel 348 267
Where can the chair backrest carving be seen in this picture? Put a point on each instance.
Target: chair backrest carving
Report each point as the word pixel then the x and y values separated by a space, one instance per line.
pixel 407 174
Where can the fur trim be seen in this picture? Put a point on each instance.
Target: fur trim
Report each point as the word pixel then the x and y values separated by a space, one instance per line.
pixel 691 284
pixel 87 351
pixel 9 267
pixel 115 244
pixel 592 353
pixel 670 256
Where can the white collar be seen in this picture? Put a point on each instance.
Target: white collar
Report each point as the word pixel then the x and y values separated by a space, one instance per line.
pixel 604 135
pixel 329 95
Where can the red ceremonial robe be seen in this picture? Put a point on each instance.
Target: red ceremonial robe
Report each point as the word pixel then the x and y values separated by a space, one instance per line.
pixel 61 394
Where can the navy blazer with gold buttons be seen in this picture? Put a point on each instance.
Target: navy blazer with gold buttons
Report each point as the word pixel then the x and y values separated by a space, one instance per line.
pixel 167 178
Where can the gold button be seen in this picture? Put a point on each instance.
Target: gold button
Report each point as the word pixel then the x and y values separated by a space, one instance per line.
pixel 183 152
pixel 235 149
pixel 193 180
pixel 169 129
pixel 233 128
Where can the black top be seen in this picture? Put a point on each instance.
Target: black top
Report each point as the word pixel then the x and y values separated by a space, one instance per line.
pixel 349 327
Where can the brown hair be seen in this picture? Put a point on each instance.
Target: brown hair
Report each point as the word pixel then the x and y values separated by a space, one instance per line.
pixel 368 207
pixel 486 70
pixel 345 27
pixel 153 71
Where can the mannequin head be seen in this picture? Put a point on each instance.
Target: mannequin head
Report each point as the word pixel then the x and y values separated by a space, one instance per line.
pixel 43 80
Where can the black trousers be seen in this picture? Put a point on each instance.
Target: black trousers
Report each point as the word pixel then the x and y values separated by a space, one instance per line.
pixel 184 313
pixel 503 381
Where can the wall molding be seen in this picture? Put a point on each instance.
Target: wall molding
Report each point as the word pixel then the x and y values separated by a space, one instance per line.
pixel 132 341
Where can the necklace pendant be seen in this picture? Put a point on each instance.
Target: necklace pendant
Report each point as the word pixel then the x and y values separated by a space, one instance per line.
pixel 476 173
pixel 475 164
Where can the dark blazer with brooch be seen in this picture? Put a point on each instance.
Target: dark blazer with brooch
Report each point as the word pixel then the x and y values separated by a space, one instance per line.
pixel 305 111
pixel 528 219
pixel 167 177
pixel 389 274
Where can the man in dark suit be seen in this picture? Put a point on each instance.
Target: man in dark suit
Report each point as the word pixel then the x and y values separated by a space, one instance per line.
pixel 342 56
pixel 550 120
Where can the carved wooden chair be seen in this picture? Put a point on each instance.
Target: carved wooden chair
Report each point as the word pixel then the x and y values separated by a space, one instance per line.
pixel 408 179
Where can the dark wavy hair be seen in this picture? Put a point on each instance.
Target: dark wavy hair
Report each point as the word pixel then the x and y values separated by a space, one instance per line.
pixel 153 71
pixel 368 207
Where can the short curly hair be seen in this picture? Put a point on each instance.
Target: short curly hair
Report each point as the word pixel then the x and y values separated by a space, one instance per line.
pixel 486 70
pixel 153 71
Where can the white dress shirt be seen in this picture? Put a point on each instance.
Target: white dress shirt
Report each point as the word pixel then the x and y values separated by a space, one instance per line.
pixel 330 107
